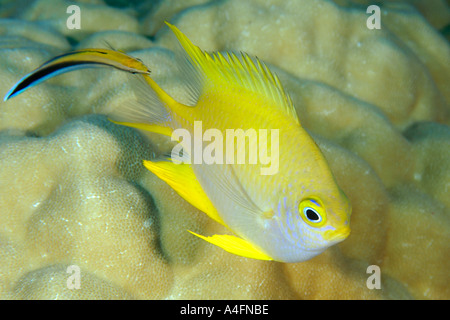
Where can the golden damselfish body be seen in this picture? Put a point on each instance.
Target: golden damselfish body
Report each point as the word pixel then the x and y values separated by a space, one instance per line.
pixel 290 215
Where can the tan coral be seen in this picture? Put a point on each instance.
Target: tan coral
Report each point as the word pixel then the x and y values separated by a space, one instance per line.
pixel 74 205
pixel 94 17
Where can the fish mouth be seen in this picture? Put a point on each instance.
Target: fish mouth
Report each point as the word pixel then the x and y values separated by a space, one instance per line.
pixel 337 235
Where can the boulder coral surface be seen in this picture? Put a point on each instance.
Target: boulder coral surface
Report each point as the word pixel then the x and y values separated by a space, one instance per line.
pixel 74 192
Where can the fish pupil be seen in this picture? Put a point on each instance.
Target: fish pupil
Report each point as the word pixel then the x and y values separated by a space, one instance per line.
pixel 312 215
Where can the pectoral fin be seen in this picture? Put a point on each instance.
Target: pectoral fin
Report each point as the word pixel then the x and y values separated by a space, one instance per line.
pixel 235 245
pixel 182 179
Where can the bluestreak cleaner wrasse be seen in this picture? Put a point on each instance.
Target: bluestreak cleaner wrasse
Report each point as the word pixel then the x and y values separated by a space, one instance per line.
pixel 85 58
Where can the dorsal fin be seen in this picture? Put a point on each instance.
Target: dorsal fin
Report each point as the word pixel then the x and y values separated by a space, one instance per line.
pixel 244 71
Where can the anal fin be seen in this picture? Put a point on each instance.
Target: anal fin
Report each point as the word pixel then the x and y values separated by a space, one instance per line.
pixel 235 245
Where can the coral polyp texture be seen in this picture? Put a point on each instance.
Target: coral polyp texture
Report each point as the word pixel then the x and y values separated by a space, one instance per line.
pixel 74 192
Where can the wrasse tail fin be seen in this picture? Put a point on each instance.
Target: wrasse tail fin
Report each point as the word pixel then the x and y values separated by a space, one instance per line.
pixel 235 245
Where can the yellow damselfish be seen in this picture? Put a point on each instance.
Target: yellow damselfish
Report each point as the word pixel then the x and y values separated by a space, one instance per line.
pixel 289 215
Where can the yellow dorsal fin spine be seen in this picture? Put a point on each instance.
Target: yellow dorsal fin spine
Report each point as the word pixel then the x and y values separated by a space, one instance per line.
pixel 243 71
pixel 196 54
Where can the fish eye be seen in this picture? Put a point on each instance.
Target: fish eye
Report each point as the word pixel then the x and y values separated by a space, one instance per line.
pixel 312 212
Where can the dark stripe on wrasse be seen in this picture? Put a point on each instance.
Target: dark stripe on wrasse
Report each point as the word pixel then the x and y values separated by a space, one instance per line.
pixel 48 69
pixel 40 75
